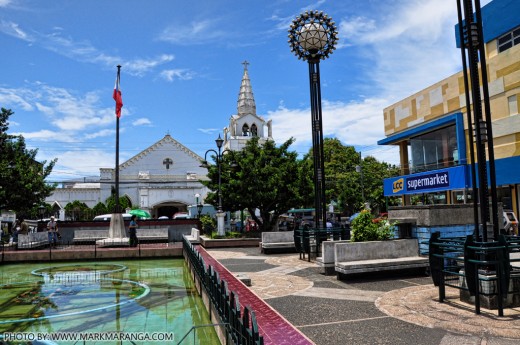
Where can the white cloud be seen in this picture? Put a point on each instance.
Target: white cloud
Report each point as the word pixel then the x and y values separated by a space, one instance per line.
pixel 49 135
pixel 142 122
pixel 4 3
pixel 172 74
pixel 84 51
pixel 13 29
pixel 196 32
pixel 100 134
pixel 17 97
pixel 88 165
pixel 65 110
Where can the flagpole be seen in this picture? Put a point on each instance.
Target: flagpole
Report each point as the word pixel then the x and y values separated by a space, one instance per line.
pixel 118 206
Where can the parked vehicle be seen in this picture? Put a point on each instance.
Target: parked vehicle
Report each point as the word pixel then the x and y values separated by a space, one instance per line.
pixel 107 217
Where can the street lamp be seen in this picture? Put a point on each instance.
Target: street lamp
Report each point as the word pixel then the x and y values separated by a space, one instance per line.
pixel 359 169
pixel 472 39
pixel 41 211
pixel 199 205
pixel 312 37
pixel 219 157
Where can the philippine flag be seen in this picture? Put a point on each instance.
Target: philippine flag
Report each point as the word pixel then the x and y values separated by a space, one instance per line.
pixel 117 96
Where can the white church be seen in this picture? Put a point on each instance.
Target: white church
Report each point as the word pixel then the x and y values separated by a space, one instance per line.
pixel 165 178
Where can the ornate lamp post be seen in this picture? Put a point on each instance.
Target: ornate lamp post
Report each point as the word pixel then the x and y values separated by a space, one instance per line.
pixel 312 37
pixel 199 205
pixel 219 155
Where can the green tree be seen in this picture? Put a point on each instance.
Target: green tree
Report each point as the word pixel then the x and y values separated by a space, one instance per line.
pixel 343 183
pixel 22 178
pixel 100 208
pixel 77 210
pixel 261 177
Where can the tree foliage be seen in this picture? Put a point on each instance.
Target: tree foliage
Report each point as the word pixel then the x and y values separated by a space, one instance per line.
pixel 261 177
pixel 22 177
pixel 343 183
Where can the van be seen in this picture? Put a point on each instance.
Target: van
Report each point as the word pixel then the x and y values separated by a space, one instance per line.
pixel 108 217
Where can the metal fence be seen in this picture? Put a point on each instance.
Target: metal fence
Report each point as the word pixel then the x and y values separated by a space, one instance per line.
pixel 241 325
pixel 308 240
pixel 479 269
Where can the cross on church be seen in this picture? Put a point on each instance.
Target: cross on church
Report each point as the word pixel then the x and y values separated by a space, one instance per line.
pixel 167 162
pixel 245 63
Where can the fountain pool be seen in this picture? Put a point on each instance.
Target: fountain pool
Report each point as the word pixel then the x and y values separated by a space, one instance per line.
pixel 144 301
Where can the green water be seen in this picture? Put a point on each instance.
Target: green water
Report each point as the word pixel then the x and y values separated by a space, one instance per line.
pixel 142 300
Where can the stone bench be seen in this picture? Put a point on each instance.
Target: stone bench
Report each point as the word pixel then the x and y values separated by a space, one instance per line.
pixel 279 241
pixel 33 240
pixel 375 256
pixel 89 235
pixel 326 260
pixel 152 234
pixel 194 237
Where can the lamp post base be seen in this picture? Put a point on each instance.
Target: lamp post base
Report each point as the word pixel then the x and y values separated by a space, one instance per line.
pixel 220 223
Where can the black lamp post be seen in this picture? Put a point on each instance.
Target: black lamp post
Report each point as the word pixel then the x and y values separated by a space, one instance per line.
pixel 472 40
pixel 41 211
pixel 218 158
pixel 312 37
pixel 199 209
pixel 359 169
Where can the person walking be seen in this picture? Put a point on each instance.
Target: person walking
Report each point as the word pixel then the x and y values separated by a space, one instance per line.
pixel 52 231
pixel 132 231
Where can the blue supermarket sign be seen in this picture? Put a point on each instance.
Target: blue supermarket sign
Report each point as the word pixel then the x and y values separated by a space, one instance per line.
pixel 431 181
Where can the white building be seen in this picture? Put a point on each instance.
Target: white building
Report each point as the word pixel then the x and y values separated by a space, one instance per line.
pixel 162 179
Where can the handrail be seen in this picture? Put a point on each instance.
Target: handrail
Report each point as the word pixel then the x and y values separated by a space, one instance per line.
pixel 200 326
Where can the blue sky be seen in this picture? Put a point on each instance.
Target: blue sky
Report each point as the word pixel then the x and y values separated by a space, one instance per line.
pixel 181 71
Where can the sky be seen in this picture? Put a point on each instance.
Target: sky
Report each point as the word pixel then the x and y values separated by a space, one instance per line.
pixel 182 68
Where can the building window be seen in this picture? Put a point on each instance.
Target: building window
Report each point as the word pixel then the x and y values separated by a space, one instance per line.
pixel 245 130
pixel 434 150
pixel 513 104
pixel 254 130
pixel 512 38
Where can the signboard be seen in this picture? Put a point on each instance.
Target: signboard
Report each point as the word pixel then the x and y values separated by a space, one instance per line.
pixel 431 181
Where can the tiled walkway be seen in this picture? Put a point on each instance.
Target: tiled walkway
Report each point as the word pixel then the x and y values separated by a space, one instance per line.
pixel 382 309
pixel 275 329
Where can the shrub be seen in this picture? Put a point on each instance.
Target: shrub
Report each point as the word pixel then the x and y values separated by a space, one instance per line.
pixel 366 228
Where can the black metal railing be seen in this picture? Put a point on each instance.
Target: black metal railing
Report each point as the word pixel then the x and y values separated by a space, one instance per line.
pixel 308 240
pixel 479 269
pixel 242 327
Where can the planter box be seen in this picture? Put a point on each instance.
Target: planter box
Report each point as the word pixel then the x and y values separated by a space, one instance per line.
pixel 207 242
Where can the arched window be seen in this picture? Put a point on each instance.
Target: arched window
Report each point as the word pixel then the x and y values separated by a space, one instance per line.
pixel 254 130
pixel 245 130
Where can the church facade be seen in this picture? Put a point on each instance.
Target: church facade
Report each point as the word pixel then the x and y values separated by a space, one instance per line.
pixel 165 178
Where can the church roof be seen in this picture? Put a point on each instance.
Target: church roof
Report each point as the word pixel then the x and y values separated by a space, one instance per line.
pixel 166 140
pixel 246 101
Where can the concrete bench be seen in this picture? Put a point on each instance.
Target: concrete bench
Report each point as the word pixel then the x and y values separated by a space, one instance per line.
pixel 152 234
pixel 194 237
pixel 33 240
pixel 375 256
pixel 326 260
pixel 89 235
pixel 279 241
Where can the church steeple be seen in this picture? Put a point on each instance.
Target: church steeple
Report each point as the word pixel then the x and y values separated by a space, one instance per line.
pixel 246 100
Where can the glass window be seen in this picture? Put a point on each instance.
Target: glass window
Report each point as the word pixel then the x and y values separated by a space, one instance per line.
pixel 434 150
pixel 512 38
pixel 513 105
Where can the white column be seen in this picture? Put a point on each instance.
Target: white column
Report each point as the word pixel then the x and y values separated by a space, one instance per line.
pixel 220 223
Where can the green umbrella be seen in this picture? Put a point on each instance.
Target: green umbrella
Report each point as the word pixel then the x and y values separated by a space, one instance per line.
pixel 140 213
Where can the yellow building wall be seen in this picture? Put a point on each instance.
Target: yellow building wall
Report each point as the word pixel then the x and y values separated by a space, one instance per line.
pixel 448 96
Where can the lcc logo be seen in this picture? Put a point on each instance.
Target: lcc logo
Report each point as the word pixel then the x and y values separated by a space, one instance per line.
pixel 398 185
